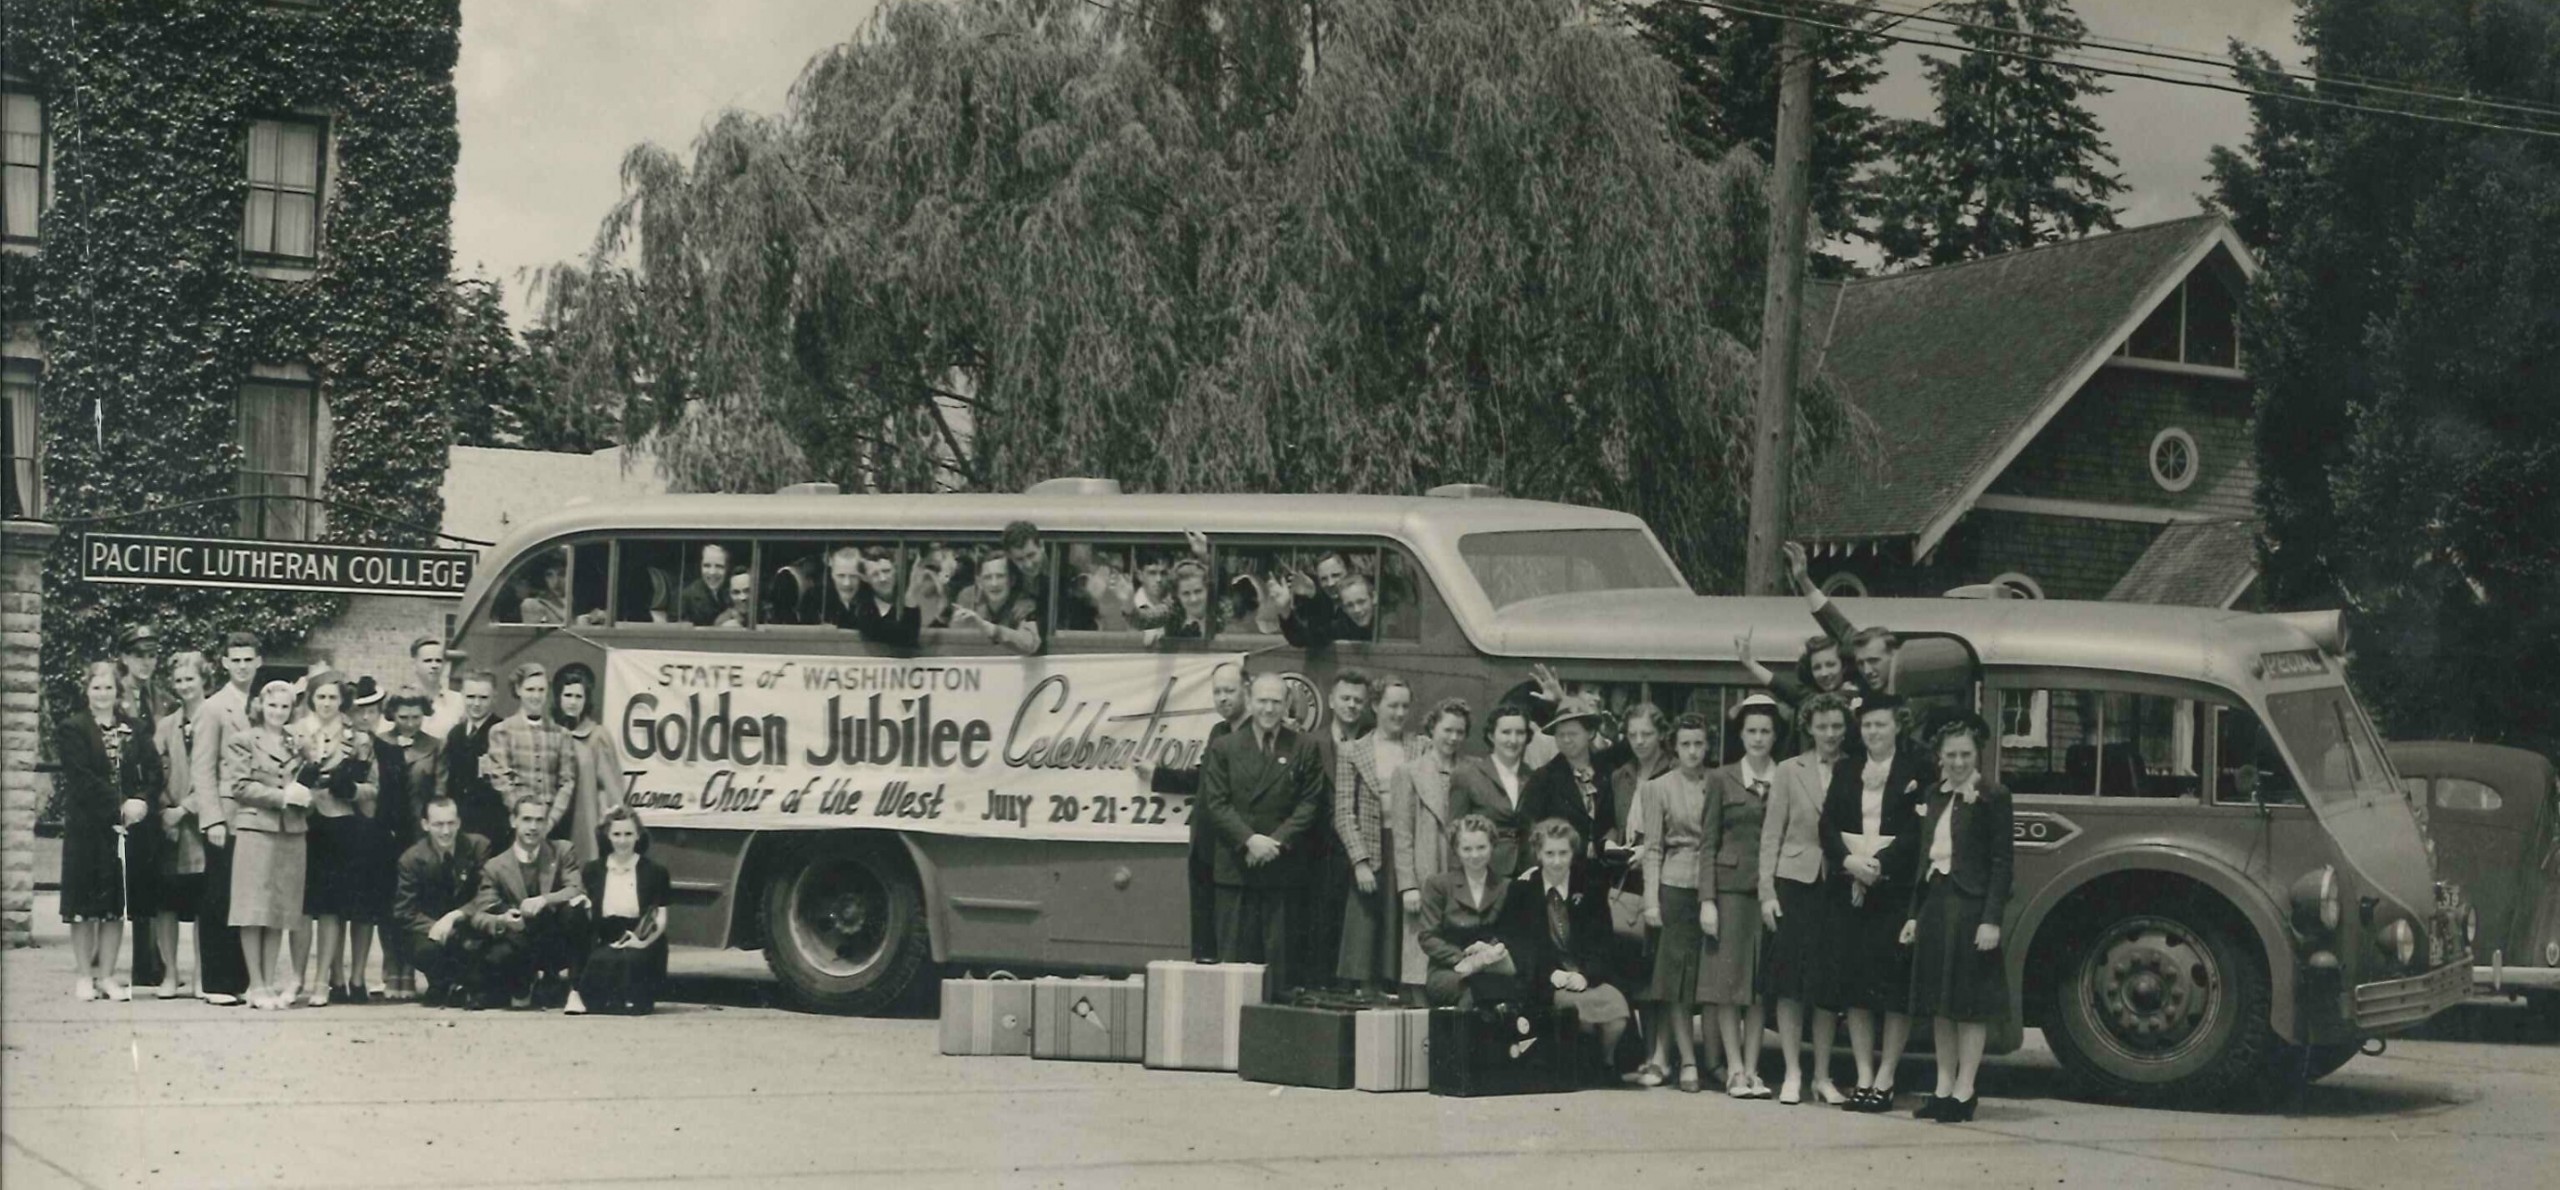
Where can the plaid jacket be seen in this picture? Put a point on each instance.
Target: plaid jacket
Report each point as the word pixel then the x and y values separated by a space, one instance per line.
pixel 532 757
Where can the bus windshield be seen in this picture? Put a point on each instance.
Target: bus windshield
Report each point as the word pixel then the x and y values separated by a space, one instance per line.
pixel 1518 566
pixel 2336 752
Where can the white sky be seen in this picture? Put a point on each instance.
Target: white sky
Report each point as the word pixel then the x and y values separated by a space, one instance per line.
pixel 553 92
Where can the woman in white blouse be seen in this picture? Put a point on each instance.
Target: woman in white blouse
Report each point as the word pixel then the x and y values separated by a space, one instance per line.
pixel 1491 785
pixel 629 891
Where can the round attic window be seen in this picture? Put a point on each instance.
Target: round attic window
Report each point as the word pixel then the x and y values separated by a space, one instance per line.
pixel 2174 460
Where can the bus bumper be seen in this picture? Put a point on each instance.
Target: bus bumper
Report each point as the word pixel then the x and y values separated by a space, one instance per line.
pixel 2502 978
pixel 2395 1004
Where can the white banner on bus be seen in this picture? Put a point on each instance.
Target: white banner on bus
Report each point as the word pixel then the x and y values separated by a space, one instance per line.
pixel 1016 747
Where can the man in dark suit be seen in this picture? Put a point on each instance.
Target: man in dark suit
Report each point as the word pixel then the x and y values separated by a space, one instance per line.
pixel 703 599
pixel 532 908
pixel 1264 789
pixel 484 809
pixel 1226 692
pixel 439 877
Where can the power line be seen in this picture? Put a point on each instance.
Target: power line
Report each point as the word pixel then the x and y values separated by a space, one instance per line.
pixel 2122 72
pixel 2176 54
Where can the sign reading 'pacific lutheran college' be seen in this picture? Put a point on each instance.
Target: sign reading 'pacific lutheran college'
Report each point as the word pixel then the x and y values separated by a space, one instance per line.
pixel 273 565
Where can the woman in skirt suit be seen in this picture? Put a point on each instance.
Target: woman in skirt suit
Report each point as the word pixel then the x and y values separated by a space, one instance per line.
pixel 350 865
pixel 630 892
pixel 1959 894
pixel 1372 949
pixel 1793 903
pixel 1876 791
pixel 108 778
pixel 268 812
pixel 1737 804
pixel 1418 826
pixel 1493 786
pixel 1674 806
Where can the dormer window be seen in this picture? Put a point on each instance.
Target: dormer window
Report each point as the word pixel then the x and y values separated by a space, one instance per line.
pixel 2196 324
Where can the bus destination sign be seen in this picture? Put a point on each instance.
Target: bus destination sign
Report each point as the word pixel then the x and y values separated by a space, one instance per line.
pixel 273 565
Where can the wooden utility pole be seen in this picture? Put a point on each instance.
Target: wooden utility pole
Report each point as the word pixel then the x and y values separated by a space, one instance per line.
pixel 1781 315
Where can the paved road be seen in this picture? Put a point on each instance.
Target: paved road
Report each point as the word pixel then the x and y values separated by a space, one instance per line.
pixel 722 1089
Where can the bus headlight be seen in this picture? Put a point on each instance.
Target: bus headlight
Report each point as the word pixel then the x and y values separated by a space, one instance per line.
pixel 2399 940
pixel 2315 901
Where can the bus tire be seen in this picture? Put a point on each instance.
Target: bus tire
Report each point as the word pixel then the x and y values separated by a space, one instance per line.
pixel 2162 1004
pixel 845 929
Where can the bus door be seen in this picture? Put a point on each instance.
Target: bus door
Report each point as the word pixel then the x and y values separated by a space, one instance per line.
pixel 1940 676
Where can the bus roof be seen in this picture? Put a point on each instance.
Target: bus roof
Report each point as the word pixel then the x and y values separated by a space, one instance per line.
pixel 1427 524
pixel 2199 644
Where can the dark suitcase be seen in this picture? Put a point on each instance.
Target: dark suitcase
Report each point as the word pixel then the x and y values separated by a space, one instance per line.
pixel 1513 1051
pixel 1298 1045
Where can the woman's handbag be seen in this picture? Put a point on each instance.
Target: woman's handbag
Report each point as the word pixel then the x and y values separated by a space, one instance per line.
pixel 1626 906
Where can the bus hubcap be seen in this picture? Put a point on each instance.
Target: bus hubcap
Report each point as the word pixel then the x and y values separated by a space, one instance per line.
pixel 2151 987
pixel 839 917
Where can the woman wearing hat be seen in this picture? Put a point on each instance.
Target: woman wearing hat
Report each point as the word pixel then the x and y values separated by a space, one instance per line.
pixel 1729 850
pixel 1573 785
pixel 336 759
pixel 1960 892
pixel 1870 836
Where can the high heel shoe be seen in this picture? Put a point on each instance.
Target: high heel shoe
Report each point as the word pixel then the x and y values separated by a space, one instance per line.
pixel 84 989
pixel 1689 1080
pixel 1930 1106
pixel 320 996
pixel 1791 1092
pixel 1828 1094
pixel 1958 1111
pixel 1881 1100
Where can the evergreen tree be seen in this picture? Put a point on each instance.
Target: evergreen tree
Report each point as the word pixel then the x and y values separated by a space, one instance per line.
pixel 2402 332
pixel 480 373
pixel 1728 67
pixel 2013 159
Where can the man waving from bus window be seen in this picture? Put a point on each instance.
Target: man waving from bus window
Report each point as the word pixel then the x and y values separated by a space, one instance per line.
pixel 1263 787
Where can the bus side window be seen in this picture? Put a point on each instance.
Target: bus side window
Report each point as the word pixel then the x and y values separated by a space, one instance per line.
pixel 1333 591
pixel 1400 584
pixel 2248 766
pixel 645 589
pixel 1095 586
pixel 790 580
pixel 2098 742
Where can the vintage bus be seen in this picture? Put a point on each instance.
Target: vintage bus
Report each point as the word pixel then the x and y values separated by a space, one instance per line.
pixel 2219 883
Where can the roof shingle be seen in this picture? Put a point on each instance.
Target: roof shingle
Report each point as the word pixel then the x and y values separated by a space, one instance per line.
pixel 1951 363
pixel 2192 565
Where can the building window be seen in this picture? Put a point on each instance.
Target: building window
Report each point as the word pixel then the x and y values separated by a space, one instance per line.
pixel 21 443
pixel 282 221
pixel 283 454
pixel 2196 324
pixel 22 161
pixel 2174 459
pixel 1844 585
pixel 2014 585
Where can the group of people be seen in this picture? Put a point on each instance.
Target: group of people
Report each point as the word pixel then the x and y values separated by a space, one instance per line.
pixel 1850 864
pixel 291 821
pixel 1162 593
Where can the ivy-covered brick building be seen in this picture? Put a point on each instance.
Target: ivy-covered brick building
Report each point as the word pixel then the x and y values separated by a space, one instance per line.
pixel 225 227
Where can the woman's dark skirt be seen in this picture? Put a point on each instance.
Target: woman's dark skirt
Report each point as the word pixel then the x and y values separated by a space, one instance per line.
pixel 1869 967
pixel 349 871
pixel 1677 950
pixel 617 980
pixel 145 891
pixel 1372 934
pixel 1949 976
pixel 93 887
pixel 1793 955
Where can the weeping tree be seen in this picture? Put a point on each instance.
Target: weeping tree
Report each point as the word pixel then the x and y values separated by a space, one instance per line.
pixel 990 241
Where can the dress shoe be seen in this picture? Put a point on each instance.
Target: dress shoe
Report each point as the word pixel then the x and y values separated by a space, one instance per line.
pixel 1958 1111
pixel 1824 1091
pixel 1930 1106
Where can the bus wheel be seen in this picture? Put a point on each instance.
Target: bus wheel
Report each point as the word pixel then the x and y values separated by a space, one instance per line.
pixel 845 930
pixel 2162 1007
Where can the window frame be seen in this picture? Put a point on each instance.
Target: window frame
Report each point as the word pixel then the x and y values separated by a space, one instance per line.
pixel 315 469
pixel 323 126
pixel 2195 459
pixel 2044 682
pixel 1319 544
pixel 25 374
pixel 43 165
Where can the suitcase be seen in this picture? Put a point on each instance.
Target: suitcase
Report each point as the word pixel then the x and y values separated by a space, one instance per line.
pixel 1518 1051
pixel 1391 1049
pixel 1195 1012
pixel 1297 1045
pixel 1090 1019
pixel 986 1016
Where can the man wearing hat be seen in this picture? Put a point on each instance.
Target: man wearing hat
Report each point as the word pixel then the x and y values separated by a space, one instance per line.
pixel 138 652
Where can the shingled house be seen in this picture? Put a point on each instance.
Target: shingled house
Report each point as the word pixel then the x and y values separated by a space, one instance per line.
pixel 2067 422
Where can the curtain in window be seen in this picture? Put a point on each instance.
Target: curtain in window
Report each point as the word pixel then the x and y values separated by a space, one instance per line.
pixel 277 436
pixel 282 218
pixel 22 150
pixel 25 496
